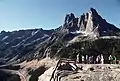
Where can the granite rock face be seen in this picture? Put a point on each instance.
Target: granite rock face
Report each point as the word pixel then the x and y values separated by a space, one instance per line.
pixel 90 23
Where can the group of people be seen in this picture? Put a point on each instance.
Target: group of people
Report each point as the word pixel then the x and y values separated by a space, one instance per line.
pixel 96 59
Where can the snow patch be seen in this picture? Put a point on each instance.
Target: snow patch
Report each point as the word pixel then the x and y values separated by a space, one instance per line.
pixel 19 37
pixel 78 32
pixel 110 37
pixel 45 35
pixel 5 38
pixel 6 43
pixel 34 32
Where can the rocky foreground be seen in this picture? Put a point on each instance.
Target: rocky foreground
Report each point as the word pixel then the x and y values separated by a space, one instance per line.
pixel 89 72
pixel 50 70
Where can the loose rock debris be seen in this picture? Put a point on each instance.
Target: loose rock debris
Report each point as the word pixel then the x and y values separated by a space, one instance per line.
pixel 69 70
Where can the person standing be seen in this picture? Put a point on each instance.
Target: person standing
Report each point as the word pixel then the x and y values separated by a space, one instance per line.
pixel 90 59
pixel 79 58
pixel 83 59
pixel 102 59
pixel 98 59
pixel 112 59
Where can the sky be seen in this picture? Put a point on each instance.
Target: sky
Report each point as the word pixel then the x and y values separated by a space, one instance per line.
pixel 49 14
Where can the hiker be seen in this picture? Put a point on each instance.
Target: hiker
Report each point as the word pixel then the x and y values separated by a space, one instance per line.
pixel 98 59
pixel 94 59
pixel 79 60
pixel 87 59
pixel 90 59
pixel 102 59
pixel 83 59
pixel 112 59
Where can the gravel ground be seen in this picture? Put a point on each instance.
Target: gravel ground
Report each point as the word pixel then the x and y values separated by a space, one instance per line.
pixel 101 72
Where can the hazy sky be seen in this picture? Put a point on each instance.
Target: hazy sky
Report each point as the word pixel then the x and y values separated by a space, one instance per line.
pixel 22 14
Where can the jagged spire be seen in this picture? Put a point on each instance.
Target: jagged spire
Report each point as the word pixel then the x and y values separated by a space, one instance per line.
pixel 94 12
pixel 90 23
pixel 69 17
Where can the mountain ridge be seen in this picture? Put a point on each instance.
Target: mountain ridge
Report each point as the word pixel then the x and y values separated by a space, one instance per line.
pixel 23 44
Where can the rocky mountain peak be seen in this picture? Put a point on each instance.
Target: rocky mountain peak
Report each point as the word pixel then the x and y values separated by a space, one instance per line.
pixel 90 23
pixel 94 12
pixel 69 17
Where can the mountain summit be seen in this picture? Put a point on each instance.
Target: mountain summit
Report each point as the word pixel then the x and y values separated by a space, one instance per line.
pixel 91 24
